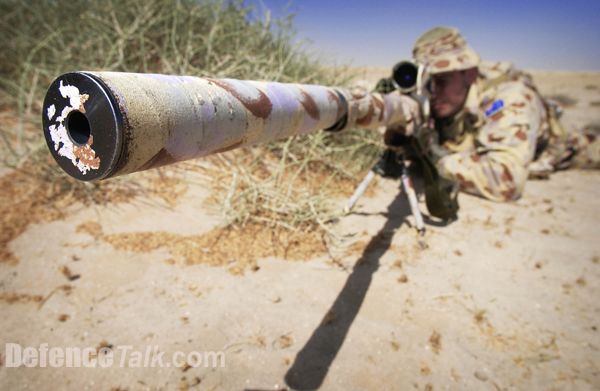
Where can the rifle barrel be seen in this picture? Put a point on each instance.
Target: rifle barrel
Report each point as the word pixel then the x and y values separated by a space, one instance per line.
pixel 103 124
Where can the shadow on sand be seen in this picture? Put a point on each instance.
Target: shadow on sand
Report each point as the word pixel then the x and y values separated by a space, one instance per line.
pixel 312 362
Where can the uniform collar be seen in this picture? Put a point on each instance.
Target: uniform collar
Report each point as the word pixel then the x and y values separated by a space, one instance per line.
pixel 472 101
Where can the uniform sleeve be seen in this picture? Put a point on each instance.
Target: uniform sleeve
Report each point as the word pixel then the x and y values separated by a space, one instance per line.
pixel 504 146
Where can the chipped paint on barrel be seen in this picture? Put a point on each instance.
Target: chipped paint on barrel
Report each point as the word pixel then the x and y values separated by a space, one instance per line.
pixel 82 156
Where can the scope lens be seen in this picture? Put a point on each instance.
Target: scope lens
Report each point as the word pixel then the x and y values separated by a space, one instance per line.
pixel 405 75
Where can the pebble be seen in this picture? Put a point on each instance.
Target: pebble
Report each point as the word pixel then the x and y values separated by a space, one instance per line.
pixel 480 375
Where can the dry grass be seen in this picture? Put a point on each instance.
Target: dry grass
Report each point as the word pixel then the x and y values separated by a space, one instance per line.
pixel 236 248
pixel 38 193
pixel 290 185
pixel 286 185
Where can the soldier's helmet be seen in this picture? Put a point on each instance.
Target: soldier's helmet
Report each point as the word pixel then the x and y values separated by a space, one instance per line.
pixel 443 49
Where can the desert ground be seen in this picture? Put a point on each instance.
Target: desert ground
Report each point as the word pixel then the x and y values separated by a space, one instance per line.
pixel 504 298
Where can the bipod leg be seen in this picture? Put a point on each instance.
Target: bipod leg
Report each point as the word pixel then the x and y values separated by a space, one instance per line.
pixel 360 190
pixel 411 195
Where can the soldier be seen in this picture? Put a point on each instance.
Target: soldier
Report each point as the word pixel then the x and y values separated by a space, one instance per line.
pixel 492 127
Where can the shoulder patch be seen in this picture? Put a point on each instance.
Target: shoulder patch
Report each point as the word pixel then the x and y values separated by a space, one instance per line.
pixel 494 108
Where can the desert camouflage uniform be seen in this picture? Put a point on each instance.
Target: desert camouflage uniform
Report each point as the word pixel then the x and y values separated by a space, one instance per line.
pixel 505 129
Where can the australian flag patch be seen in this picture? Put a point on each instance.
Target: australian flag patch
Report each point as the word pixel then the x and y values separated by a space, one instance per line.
pixel 494 108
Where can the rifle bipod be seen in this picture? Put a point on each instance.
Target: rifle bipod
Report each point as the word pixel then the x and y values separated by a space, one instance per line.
pixel 391 165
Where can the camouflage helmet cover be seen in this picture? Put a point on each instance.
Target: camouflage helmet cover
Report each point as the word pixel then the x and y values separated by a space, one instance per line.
pixel 443 49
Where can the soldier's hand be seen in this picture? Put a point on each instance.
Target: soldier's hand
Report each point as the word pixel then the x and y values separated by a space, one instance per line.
pixel 412 115
pixel 399 133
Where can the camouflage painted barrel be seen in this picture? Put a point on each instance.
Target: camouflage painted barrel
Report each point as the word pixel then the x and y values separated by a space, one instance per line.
pixel 102 124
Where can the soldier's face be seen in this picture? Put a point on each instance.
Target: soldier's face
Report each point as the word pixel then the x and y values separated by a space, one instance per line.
pixel 448 92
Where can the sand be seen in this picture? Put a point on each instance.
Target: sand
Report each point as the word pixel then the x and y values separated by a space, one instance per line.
pixel 506 297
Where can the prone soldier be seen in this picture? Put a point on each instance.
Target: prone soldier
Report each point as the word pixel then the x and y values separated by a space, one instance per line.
pixel 490 129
